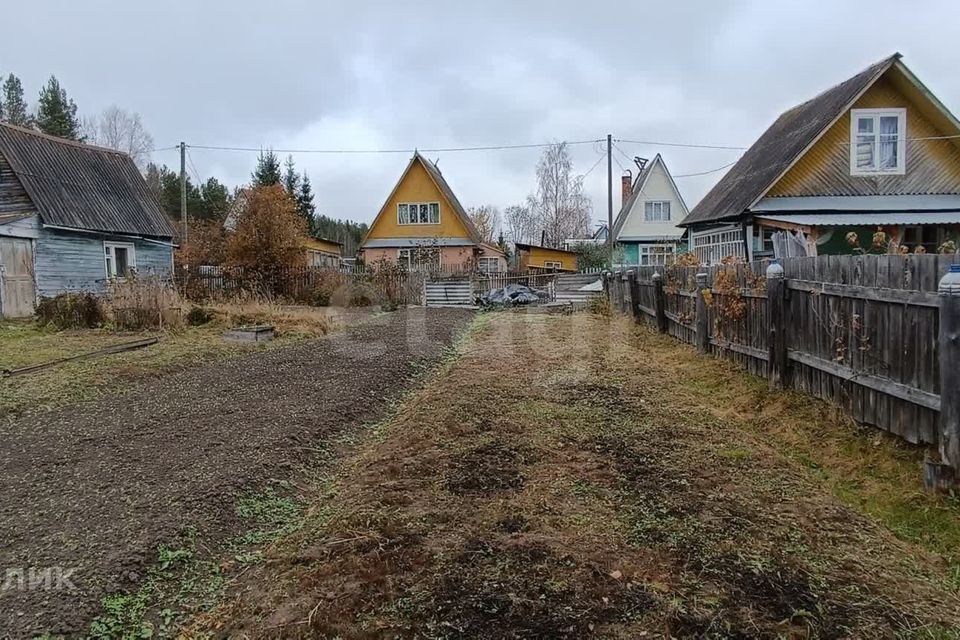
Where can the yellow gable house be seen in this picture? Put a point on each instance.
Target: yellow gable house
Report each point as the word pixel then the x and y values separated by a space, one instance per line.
pixel 423 226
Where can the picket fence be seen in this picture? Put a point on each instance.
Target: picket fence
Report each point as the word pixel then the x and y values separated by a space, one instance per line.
pixel 865 332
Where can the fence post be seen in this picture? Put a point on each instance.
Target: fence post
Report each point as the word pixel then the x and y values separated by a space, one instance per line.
pixel 777 326
pixel 624 305
pixel 659 303
pixel 703 325
pixel 634 294
pixel 946 474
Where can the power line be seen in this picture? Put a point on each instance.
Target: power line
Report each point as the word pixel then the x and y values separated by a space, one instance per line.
pixel 385 151
pixel 193 168
pixel 681 144
pixel 703 173
pixel 595 165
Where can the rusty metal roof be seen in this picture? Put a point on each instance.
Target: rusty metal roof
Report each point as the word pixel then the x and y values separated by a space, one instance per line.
pixel 81 186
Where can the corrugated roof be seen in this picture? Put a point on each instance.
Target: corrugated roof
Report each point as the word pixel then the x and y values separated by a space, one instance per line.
pixel 81 186
pixel 864 219
pixel 913 202
pixel 779 146
pixel 386 243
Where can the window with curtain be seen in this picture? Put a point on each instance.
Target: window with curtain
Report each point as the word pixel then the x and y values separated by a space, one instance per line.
pixel 418 213
pixel 877 141
pixel 656 211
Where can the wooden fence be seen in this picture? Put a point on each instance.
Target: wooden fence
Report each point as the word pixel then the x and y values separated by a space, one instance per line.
pixel 868 333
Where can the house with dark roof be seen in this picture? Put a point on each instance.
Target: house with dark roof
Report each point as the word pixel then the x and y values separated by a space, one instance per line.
pixel 72 217
pixel 423 226
pixel 877 152
pixel 646 229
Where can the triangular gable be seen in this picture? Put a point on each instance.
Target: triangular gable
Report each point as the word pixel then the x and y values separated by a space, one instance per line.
pixel 781 145
pixel 446 193
pixel 638 188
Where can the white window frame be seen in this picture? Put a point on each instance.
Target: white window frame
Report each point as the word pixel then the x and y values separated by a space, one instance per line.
pixel 407 257
pixel 552 264
pixel 858 114
pixel 655 254
pixel 486 260
pixel 712 246
pixel 110 257
pixel 417 205
pixel 657 211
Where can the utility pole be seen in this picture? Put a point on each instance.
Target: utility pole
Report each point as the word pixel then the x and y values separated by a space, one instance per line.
pixel 610 199
pixel 183 189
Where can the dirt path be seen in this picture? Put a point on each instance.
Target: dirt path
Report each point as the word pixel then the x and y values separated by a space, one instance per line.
pixel 93 489
pixel 557 482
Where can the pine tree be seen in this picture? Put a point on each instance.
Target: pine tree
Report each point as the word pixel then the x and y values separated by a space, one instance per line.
pixel 56 113
pixel 305 205
pixel 267 172
pixel 291 181
pixel 14 106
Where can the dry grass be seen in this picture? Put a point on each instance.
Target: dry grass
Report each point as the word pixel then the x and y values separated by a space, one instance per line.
pixel 23 343
pixel 585 489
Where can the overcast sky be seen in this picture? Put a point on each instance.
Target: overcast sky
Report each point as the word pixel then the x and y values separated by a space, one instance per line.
pixel 389 75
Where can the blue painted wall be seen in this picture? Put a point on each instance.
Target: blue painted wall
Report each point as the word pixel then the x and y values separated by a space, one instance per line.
pixel 67 261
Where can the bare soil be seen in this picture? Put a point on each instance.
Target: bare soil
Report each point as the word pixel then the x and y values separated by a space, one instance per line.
pixel 560 481
pixel 96 487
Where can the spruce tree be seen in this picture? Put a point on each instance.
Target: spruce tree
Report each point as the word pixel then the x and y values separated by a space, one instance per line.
pixel 56 113
pixel 14 106
pixel 291 181
pixel 267 172
pixel 305 205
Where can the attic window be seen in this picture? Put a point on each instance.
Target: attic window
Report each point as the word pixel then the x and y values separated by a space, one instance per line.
pixel 877 141
pixel 418 213
pixel 656 211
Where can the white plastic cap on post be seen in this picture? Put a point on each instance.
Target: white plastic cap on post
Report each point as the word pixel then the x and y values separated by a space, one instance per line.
pixel 775 270
pixel 950 282
pixel 656 275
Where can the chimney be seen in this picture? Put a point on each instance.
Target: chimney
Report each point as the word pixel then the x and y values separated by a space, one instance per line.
pixel 626 187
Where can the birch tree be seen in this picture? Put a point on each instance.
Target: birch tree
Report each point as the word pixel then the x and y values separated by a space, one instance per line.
pixel 559 204
pixel 116 128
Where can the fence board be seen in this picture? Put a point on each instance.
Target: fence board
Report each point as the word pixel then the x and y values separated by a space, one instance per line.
pixel 862 331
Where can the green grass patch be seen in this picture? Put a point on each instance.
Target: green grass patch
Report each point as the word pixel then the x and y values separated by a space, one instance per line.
pixel 178 584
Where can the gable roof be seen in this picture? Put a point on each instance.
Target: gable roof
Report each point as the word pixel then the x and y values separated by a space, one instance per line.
pixel 81 186
pixel 781 145
pixel 638 186
pixel 437 177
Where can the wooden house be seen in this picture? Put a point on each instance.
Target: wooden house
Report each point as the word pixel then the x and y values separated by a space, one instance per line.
pixel 646 229
pixel 877 152
pixel 423 226
pixel 72 217
pixel 531 257
pixel 323 253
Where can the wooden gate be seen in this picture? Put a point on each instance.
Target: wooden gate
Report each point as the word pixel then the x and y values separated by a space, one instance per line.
pixel 17 290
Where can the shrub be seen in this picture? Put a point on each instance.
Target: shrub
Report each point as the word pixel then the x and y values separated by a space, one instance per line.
pixel 199 316
pixel 600 305
pixel 71 311
pixel 143 303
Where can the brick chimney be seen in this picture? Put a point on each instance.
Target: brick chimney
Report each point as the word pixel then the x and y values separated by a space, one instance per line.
pixel 626 187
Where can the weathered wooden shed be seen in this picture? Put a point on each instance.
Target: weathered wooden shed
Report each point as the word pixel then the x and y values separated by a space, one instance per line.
pixel 72 217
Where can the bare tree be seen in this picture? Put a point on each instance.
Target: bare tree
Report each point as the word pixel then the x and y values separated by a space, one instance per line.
pixel 521 225
pixel 559 204
pixel 122 130
pixel 486 218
